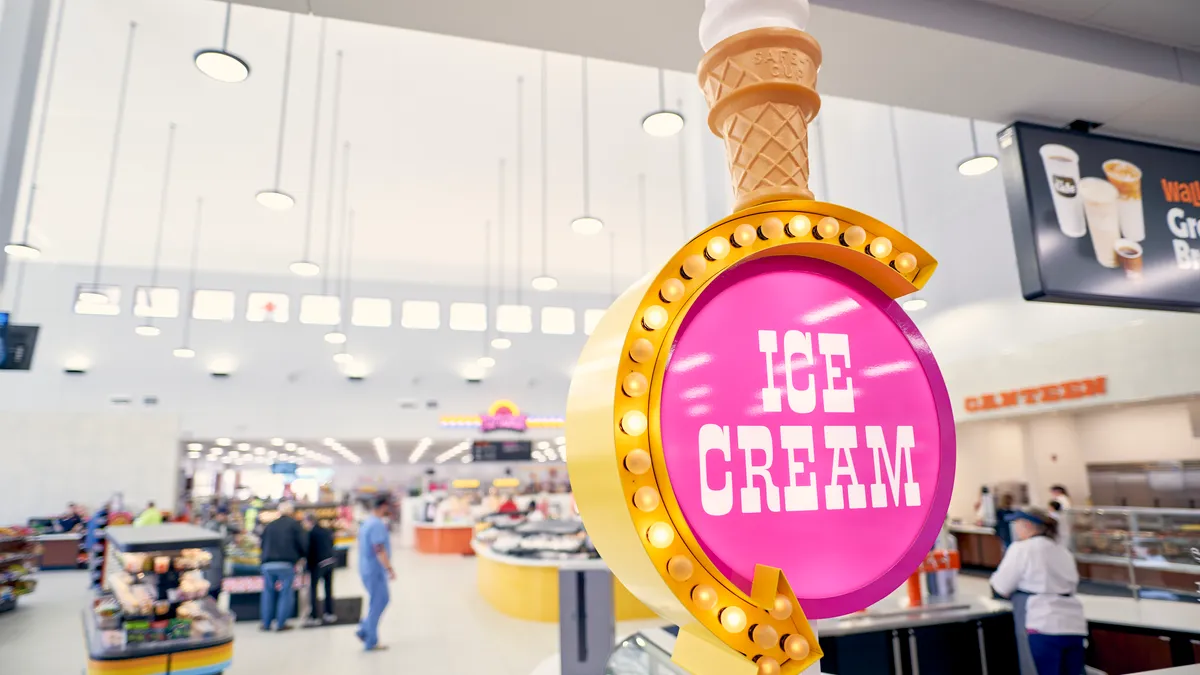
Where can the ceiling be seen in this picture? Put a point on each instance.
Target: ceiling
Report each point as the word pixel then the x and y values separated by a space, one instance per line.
pixel 329 452
pixel 970 58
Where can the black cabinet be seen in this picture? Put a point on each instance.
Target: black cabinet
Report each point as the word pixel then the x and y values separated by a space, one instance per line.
pixel 985 646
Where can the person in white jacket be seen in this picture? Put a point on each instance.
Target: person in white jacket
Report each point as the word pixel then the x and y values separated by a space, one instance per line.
pixel 1040 577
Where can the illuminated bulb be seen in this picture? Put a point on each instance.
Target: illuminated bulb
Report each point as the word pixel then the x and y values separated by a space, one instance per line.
pixel 501 343
pixel 22 251
pixel 704 597
pixel 796 647
pixel 654 318
pixel 744 235
pixel 637 462
pixel 978 165
pixel 854 236
pixel 635 384
pixel 772 228
pixel 661 535
pixel 768 666
pixel 716 249
pixel 764 636
pixel 881 247
pixel 680 568
pixel 146 330
pixel 544 283
pixel 342 357
pixel 905 263
pixel 781 610
pixel 828 228
pixel 693 266
pixel 646 499
pixel 634 423
pixel 671 290
pixel 223 442
pixel 799 226
pixel 335 337
pixel 733 619
pixel 184 353
pixel 914 305
pixel 642 350
pixel 486 362
pixel 277 442
pixel 275 200
pixel 305 268
pixel 221 65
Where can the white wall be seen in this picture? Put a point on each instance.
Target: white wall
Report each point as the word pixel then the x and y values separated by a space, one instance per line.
pixel 51 458
pixel 988 453
pixel 1138 433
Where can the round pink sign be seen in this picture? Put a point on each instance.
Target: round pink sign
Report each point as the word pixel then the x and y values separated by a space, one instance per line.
pixel 805 426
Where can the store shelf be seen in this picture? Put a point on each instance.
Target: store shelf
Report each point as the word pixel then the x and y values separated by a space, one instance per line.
pixel 168 537
pixel 7 558
pixel 222 635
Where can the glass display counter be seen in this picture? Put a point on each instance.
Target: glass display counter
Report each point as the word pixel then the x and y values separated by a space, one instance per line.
pixel 1152 552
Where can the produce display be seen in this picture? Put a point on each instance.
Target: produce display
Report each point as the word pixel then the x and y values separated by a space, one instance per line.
pixel 18 563
pixel 516 535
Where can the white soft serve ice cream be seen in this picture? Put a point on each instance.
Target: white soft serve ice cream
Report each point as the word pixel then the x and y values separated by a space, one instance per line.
pixel 723 18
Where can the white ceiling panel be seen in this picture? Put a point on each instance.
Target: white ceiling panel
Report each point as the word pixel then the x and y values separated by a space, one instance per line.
pixel 1170 22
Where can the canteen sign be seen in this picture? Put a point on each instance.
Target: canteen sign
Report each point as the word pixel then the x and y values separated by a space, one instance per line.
pixel 1105 221
pixel 789 419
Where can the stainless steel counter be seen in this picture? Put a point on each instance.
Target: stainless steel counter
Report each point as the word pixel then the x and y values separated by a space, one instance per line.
pixel 879 618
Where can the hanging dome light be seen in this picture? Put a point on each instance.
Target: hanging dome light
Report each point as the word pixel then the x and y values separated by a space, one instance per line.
pixel 184 353
pixel 486 362
pixel 587 226
pixel 501 343
pixel 544 282
pixel 978 165
pixel 342 358
pixel 335 337
pixel 146 330
pixel 275 200
pixel 914 304
pixel 22 251
pixel 221 65
pixel 662 123
pixel 305 268
pixel 92 297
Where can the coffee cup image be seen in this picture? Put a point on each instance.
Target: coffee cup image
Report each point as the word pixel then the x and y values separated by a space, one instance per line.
pixel 1103 218
pixel 1062 171
pixel 1127 178
pixel 1129 254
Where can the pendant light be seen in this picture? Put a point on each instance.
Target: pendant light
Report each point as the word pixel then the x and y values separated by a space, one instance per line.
pixel 305 267
pixel 587 224
pixel 220 64
pixel 486 360
pixel 498 342
pixel 94 294
pixel 185 351
pixel 914 303
pixel 543 281
pixel 683 197
pixel 147 327
pixel 343 357
pixel 520 187
pixel 662 122
pixel 20 248
pixel 276 199
pixel 977 164
pixel 337 336
pixel 333 136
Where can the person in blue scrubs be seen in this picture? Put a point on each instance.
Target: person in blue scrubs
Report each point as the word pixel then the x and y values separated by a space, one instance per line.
pixel 375 568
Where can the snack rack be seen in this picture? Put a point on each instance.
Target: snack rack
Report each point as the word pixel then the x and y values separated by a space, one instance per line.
pixel 156 613
pixel 18 563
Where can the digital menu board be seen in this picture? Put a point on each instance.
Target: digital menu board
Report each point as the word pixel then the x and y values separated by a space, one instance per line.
pixel 1103 221
pixel 502 451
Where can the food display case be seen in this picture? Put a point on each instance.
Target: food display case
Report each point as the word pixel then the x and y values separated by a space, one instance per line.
pixel 1150 551
pixel 155 614
pixel 19 553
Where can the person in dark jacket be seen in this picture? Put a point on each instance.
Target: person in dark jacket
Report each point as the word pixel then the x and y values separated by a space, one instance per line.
pixel 284 545
pixel 320 568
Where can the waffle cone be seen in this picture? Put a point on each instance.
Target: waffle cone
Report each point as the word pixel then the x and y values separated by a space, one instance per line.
pixel 760 86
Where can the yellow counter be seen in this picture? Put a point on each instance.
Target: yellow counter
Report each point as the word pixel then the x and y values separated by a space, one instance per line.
pixel 528 589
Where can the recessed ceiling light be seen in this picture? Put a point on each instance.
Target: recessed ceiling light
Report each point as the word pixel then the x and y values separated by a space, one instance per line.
pixel 275 200
pixel 22 251
pixel 662 123
pixel 335 337
pixel 914 304
pixel 146 330
pixel 501 343
pixel 215 451
pixel 305 268
pixel 544 282
pixel 587 225
pixel 223 442
pixel 243 446
pixel 221 66
pixel 486 362
pixel 473 372
pixel 259 451
pixel 289 446
pixel 184 352
pixel 978 165
pixel 277 442
pixel 195 446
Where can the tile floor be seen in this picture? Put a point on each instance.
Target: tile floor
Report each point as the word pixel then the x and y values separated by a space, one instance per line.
pixel 437 623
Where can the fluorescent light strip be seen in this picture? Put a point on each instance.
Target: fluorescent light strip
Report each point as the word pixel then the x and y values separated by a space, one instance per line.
pixel 419 451
pixel 382 450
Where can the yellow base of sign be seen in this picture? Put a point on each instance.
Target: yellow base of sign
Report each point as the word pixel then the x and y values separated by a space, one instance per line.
pixel 530 592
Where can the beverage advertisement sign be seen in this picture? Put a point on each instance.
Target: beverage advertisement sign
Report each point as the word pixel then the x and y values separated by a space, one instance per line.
pixel 1103 221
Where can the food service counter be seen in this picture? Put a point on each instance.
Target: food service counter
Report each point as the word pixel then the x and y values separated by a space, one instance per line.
pixel 978 546
pixel 452 538
pixel 60 551
pixel 527 588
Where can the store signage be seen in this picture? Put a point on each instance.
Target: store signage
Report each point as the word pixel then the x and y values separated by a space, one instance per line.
pixel 286 468
pixel 1033 396
pixel 502 451
pixel 503 415
pixel 1099 220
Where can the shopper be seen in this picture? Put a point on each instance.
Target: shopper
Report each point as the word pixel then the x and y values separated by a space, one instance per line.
pixel 151 516
pixel 375 567
pixel 1039 575
pixel 284 545
pixel 1004 514
pixel 320 568
pixel 1058 494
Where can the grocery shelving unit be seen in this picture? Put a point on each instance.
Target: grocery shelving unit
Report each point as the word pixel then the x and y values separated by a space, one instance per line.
pixel 18 564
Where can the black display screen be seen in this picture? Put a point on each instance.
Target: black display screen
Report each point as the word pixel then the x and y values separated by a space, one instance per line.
pixel 502 451
pixel 1103 221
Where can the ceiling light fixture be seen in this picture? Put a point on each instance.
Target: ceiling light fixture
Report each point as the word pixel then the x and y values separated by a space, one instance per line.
pixel 419 450
pixel 501 343
pixel 277 442
pixel 223 442
pixel 305 267
pixel 221 367
pixel 21 249
pixel 343 358
pixel 276 199
pixel 662 122
pixel 335 337
pixel 586 224
pixel 914 304
pixel 185 351
pixel 220 64
pixel 543 281
pixel 381 449
pixel 486 362
pixel 148 329
pixel 977 164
